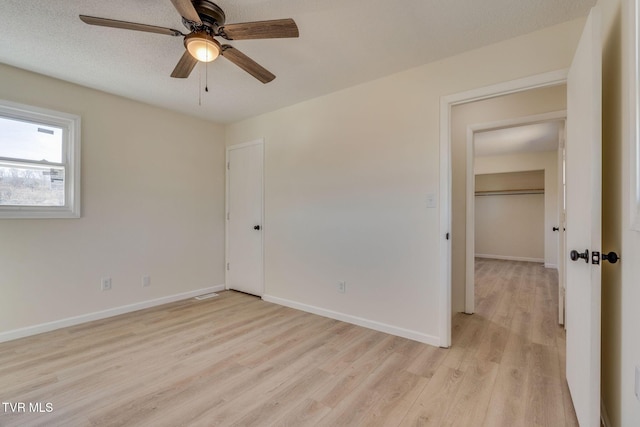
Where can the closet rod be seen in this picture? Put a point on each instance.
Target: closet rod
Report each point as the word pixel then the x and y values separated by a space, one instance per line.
pixel 509 192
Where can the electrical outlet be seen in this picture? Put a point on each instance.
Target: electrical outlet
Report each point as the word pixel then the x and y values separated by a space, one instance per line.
pixel 342 287
pixel 146 281
pixel 105 284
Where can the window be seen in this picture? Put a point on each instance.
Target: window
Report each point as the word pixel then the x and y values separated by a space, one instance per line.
pixel 39 163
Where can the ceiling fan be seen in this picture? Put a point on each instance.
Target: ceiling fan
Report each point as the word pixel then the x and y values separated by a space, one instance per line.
pixel 205 20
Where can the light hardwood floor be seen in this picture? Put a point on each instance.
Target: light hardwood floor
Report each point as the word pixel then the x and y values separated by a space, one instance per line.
pixel 236 360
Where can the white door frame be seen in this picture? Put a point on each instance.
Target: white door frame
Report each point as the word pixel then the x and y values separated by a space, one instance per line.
pixel 552 78
pixel 229 148
pixel 562 243
pixel 469 302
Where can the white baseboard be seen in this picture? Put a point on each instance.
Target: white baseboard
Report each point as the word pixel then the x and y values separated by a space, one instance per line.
pixel 510 258
pixel 371 324
pixel 76 320
pixel 549 265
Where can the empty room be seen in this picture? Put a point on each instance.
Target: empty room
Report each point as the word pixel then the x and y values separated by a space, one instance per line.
pixel 269 212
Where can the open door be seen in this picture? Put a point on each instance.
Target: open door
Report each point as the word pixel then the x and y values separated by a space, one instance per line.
pixel 583 234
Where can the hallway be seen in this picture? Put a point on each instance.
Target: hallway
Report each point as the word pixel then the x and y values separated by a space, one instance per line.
pixel 515 329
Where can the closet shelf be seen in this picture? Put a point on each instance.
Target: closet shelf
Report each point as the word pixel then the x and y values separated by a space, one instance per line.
pixel 510 192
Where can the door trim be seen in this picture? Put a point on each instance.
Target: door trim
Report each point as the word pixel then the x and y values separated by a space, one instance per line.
pixel 229 148
pixel 553 116
pixel 552 78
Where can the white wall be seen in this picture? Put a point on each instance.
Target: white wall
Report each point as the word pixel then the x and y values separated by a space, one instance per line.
pixel 509 224
pixel 547 161
pixel 510 227
pixel 346 179
pixel 152 203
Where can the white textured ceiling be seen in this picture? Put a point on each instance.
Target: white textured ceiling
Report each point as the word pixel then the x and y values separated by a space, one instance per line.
pixel 518 139
pixel 342 43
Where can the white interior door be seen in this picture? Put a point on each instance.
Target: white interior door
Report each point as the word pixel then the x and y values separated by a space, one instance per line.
pixel 244 218
pixel 583 150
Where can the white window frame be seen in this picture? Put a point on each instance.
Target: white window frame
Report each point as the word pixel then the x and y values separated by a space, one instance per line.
pixel 70 125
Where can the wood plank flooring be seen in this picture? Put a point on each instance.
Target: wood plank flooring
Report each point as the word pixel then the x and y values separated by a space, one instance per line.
pixel 235 360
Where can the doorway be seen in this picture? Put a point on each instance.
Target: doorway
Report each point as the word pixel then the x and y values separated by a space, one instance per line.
pixel 503 110
pixel 517 303
pixel 583 209
pixel 516 163
pixel 546 80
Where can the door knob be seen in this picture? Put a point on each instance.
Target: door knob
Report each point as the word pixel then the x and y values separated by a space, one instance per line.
pixel 575 255
pixel 556 228
pixel 256 227
pixel 612 257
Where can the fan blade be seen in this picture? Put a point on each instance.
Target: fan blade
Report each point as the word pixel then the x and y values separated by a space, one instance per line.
pixel 247 64
pixel 184 66
pixel 275 29
pixel 186 10
pixel 104 22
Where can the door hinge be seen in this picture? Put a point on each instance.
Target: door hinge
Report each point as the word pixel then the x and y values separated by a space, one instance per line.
pixel 228 165
pixel 227 266
pixel 447 236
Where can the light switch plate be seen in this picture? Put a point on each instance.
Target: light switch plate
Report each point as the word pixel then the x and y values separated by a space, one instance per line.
pixel 431 200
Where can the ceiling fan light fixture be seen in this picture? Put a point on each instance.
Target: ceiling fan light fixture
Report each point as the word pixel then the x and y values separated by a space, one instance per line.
pixel 205 21
pixel 202 46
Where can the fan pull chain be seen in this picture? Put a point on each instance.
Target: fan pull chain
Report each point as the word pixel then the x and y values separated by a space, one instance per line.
pixel 206 76
pixel 199 86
